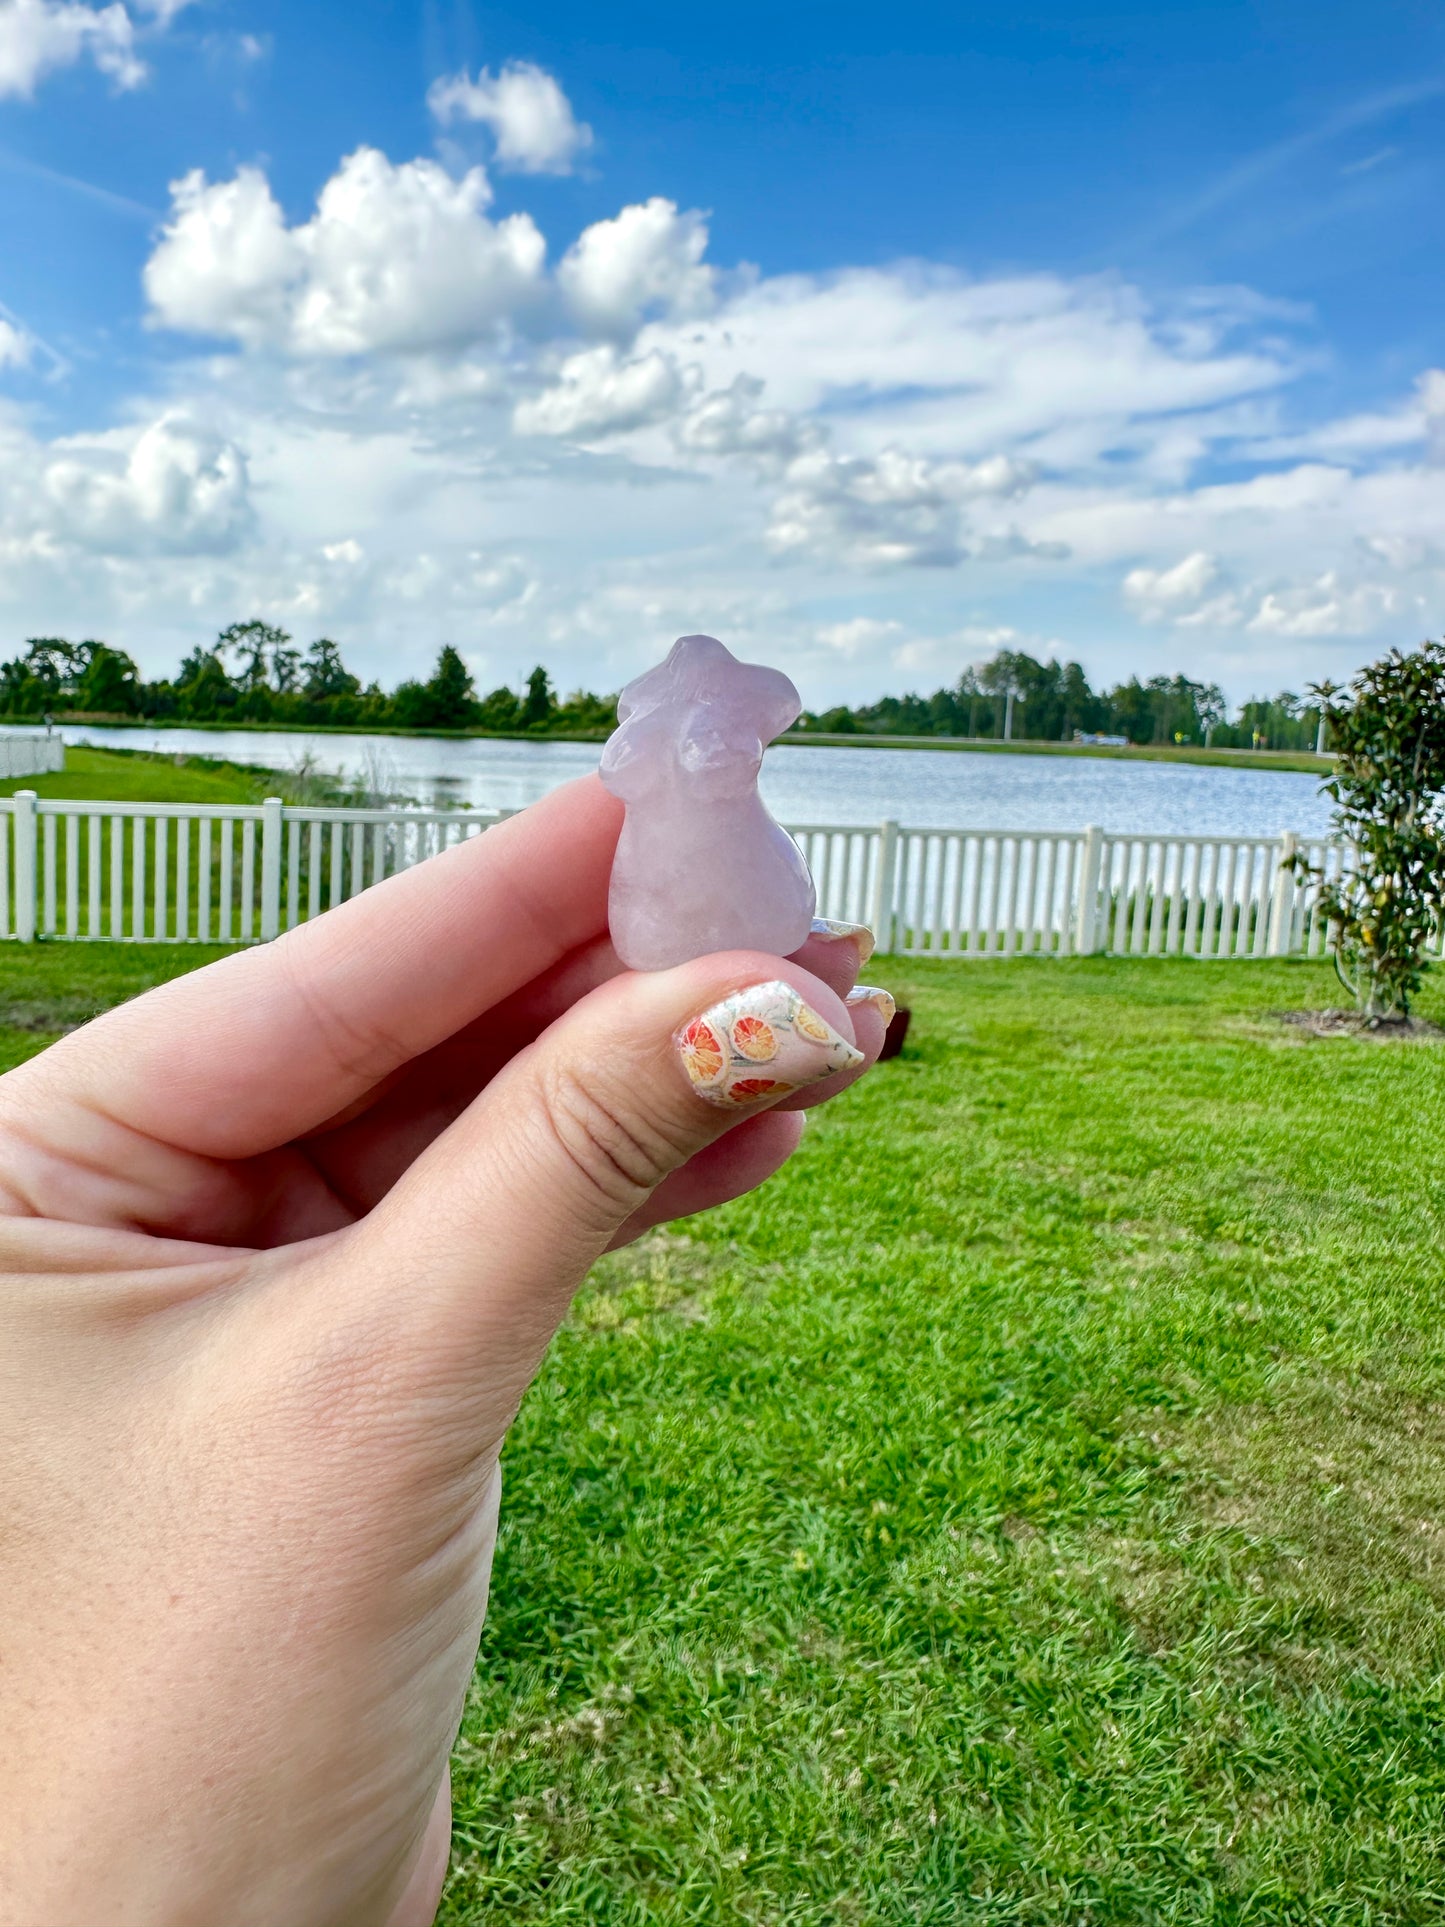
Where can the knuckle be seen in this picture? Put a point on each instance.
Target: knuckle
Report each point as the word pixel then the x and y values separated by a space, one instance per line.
pixel 622 1152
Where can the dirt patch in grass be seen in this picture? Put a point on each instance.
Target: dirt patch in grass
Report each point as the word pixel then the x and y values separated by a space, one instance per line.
pixel 1310 1537
pixel 48 1016
pixel 1349 1023
pixel 664 1274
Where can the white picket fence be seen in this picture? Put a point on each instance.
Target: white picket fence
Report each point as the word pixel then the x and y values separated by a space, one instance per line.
pixel 31 756
pixel 192 873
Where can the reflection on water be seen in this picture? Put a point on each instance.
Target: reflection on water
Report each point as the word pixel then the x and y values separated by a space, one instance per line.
pixel 944 789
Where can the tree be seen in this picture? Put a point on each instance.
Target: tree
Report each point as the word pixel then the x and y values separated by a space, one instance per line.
pixel 1212 710
pixel 453 699
pixel 251 643
pixel 499 711
pixel 286 671
pixel 203 689
pixel 327 678
pixel 539 703
pixel 111 683
pixel 1389 790
pixel 446 700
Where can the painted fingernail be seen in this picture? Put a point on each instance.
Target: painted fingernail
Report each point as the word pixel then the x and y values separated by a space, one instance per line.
pixel 832 932
pixel 881 1000
pixel 760 1043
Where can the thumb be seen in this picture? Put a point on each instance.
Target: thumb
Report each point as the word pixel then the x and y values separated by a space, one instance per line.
pixel 492 1230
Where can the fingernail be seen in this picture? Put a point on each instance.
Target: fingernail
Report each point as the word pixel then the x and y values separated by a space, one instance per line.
pixel 832 932
pixel 760 1043
pixel 881 1000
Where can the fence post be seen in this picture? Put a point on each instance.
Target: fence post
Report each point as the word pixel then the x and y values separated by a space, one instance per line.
pixel 23 810
pixel 1090 872
pixel 270 868
pixel 881 918
pixel 1281 913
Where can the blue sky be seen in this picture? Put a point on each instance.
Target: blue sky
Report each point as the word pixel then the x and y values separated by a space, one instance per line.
pixel 871 339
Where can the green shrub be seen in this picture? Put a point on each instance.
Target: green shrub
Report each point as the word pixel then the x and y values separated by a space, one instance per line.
pixel 1388 734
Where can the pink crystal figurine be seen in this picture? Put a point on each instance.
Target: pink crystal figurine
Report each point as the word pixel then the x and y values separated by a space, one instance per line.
pixel 701 866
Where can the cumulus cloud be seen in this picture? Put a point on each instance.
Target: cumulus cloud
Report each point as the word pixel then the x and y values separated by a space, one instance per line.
pixel 1331 606
pixel 179 487
pixel 414 365
pixel 896 511
pixel 598 393
pixel 39 36
pixel 732 422
pixel 645 261
pixel 396 259
pixel 530 117
pixel 1157 593
pixel 1192 594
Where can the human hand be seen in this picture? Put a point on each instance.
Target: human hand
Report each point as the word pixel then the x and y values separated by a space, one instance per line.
pixel 284 1243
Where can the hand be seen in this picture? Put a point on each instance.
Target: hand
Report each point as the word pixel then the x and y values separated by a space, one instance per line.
pixel 285 1242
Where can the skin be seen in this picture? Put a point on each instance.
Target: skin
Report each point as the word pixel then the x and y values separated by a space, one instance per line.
pixel 284 1243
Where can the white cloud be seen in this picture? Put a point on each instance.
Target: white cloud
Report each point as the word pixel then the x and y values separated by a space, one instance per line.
pixel 1419 419
pixel 598 393
pixel 530 117
pixel 179 487
pixel 896 511
pixel 386 460
pixel 647 260
pixel 860 635
pixel 1075 370
pixel 948 655
pixel 1331 606
pixel 1158 593
pixel 474 580
pixel 39 36
pixel 731 422
pixel 16 347
pixel 396 259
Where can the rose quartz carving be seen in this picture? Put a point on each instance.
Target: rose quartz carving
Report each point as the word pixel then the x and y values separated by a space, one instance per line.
pixel 701 866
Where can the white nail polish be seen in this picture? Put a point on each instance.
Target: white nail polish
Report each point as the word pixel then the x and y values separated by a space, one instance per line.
pixel 831 931
pixel 881 1000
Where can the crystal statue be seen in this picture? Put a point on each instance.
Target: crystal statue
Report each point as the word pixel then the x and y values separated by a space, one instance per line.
pixel 701 866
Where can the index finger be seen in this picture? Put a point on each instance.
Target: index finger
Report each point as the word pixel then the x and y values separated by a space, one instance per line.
pixel 268 1044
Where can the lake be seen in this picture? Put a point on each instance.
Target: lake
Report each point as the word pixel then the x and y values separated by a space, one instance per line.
pixel 926 789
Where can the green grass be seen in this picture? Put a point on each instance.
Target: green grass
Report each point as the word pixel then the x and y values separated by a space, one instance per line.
pixel 132 776
pixel 1029 1509
pixel 47 989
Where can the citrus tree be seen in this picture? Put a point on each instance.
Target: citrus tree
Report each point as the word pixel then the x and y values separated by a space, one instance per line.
pixel 1387 733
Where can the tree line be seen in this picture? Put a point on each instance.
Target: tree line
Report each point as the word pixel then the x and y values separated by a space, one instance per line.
pixel 1053 701
pixel 255 673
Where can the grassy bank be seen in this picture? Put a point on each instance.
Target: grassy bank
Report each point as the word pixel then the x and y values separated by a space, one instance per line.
pixel 1286 759
pixel 823 739
pixel 1027 1510
pixel 133 776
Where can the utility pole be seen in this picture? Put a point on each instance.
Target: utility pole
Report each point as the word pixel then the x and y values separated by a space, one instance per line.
pixel 1008 714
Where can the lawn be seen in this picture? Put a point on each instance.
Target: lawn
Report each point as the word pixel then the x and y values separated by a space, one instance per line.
pixel 1029 1509
pixel 137 776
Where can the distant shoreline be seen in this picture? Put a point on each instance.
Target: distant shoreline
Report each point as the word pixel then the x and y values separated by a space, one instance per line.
pixel 1303 762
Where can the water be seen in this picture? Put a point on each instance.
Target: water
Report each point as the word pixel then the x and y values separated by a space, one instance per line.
pixel 933 789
